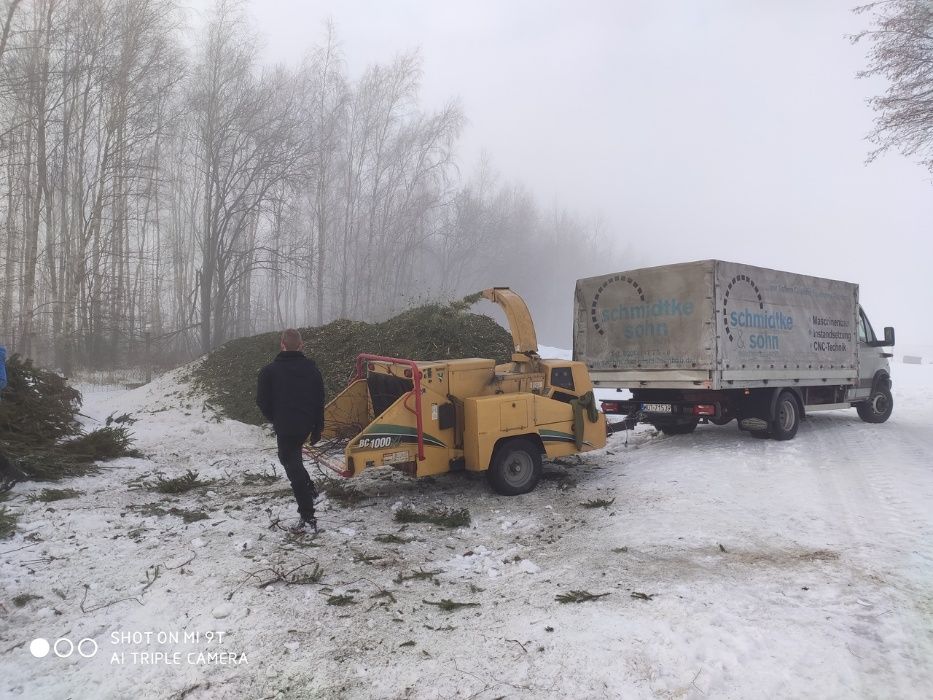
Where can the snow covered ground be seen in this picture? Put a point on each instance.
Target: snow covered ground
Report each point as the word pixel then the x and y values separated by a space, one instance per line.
pixel 725 567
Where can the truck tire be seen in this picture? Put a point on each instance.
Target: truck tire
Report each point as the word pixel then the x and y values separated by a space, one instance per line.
pixel 786 419
pixel 515 468
pixel 878 407
pixel 678 428
pixel 720 420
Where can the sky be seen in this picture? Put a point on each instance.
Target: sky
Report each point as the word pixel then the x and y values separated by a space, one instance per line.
pixel 689 130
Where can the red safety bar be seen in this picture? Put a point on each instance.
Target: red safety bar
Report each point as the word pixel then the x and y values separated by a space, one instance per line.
pixel 362 358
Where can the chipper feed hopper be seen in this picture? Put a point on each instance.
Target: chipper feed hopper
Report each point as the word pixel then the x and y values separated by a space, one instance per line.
pixel 432 417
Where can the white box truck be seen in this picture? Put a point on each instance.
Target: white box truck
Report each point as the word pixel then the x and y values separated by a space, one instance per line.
pixel 712 341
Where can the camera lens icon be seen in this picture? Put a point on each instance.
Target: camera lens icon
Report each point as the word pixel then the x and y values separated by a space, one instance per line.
pixel 63 647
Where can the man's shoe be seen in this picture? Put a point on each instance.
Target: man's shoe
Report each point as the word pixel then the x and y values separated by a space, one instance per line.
pixel 303 526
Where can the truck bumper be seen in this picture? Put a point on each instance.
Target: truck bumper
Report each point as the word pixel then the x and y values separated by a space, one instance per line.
pixel 663 412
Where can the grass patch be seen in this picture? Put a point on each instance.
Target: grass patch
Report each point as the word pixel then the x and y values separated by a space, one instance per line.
pixel 384 594
pixel 442 517
pixel 564 480
pixel 361 558
pixel 341 600
pixel 180 484
pixel 23 599
pixel 339 492
pixel 284 492
pixel 312 576
pixel 300 539
pixel 420 575
pixel 7 523
pixel 598 503
pixel 448 605
pixel 189 516
pixel 578 597
pixel 51 495
pixel 137 533
pixel 252 478
pixel 154 509
pixel 393 539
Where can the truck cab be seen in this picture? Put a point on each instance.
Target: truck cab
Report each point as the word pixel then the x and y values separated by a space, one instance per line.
pixel 872 396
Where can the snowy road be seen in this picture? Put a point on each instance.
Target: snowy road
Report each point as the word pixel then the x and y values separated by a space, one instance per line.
pixel 731 568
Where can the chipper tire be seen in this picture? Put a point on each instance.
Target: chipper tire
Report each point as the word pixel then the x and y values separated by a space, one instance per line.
pixel 516 467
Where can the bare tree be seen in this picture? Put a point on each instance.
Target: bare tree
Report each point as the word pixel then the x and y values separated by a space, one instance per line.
pixel 7 24
pixel 37 105
pixel 246 139
pixel 205 196
pixel 327 106
pixel 902 53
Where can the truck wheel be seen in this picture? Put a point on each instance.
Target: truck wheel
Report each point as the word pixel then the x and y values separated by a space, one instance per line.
pixel 878 407
pixel 678 428
pixel 515 468
pixel 786 419
pixel 721 420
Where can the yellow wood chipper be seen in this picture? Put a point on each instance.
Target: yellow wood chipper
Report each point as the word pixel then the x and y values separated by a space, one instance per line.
pixel 432 417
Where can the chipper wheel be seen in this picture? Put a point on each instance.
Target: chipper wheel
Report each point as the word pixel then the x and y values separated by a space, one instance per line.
pixel 515 468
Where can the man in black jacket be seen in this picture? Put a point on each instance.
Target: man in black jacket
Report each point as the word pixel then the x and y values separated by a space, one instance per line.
pixel 290 394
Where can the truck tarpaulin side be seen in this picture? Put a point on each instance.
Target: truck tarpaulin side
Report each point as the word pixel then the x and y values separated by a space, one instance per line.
pixel 715 324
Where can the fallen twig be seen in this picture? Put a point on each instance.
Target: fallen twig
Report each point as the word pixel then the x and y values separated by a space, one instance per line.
pixel 519 644
pixel 578 597
pixel 448 605
pixel 194 555
pixel 104 605
pixel 151 578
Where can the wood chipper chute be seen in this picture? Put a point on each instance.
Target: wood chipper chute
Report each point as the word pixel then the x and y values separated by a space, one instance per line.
pixel 431 417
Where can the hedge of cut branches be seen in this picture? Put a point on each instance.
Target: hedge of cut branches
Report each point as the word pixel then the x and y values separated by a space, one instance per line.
pixel 39 435
pixel 432 332
pixel 37 406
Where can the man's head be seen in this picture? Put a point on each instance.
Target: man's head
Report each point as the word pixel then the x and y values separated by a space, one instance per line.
pixel 291 340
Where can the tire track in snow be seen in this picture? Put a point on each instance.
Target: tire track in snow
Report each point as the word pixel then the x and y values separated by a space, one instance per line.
pixel 884 491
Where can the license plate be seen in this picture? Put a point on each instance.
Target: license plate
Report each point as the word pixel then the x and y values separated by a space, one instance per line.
pixel 656 408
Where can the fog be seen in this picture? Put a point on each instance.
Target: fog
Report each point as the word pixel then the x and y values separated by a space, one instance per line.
pixel 730 130
pixel 184 175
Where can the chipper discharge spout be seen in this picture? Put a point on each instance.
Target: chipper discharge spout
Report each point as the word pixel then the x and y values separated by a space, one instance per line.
pixel 524 339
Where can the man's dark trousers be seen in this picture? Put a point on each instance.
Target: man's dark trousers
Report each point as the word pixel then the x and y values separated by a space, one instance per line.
pixel 302 486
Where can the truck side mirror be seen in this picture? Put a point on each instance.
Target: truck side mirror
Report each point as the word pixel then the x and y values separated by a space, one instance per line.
pixel 888 341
